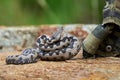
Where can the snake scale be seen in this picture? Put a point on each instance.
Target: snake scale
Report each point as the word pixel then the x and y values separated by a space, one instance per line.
pixel 60 46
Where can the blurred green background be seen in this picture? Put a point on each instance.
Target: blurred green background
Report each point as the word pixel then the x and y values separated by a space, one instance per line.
pixel 36 12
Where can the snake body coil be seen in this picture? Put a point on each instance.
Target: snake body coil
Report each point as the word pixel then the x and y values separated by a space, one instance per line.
pixel 61 46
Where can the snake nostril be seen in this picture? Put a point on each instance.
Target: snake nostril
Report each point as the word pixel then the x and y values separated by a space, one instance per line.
pixel 108 48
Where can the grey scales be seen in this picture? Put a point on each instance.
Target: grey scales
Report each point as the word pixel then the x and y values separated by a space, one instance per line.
pixel 59 47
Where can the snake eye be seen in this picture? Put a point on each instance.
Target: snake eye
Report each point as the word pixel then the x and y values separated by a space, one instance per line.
pixel 108 48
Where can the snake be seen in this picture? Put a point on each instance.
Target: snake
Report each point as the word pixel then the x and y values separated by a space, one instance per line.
pixel 60 46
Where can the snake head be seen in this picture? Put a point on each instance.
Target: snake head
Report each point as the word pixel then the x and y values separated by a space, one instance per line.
pixel 57 34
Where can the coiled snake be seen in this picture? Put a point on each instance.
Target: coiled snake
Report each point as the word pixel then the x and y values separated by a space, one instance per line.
pixel 60 46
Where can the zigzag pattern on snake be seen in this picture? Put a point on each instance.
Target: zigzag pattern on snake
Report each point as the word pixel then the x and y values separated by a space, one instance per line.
pixel 60 46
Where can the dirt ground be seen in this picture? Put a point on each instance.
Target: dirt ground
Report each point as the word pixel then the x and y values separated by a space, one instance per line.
pixel 75 69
